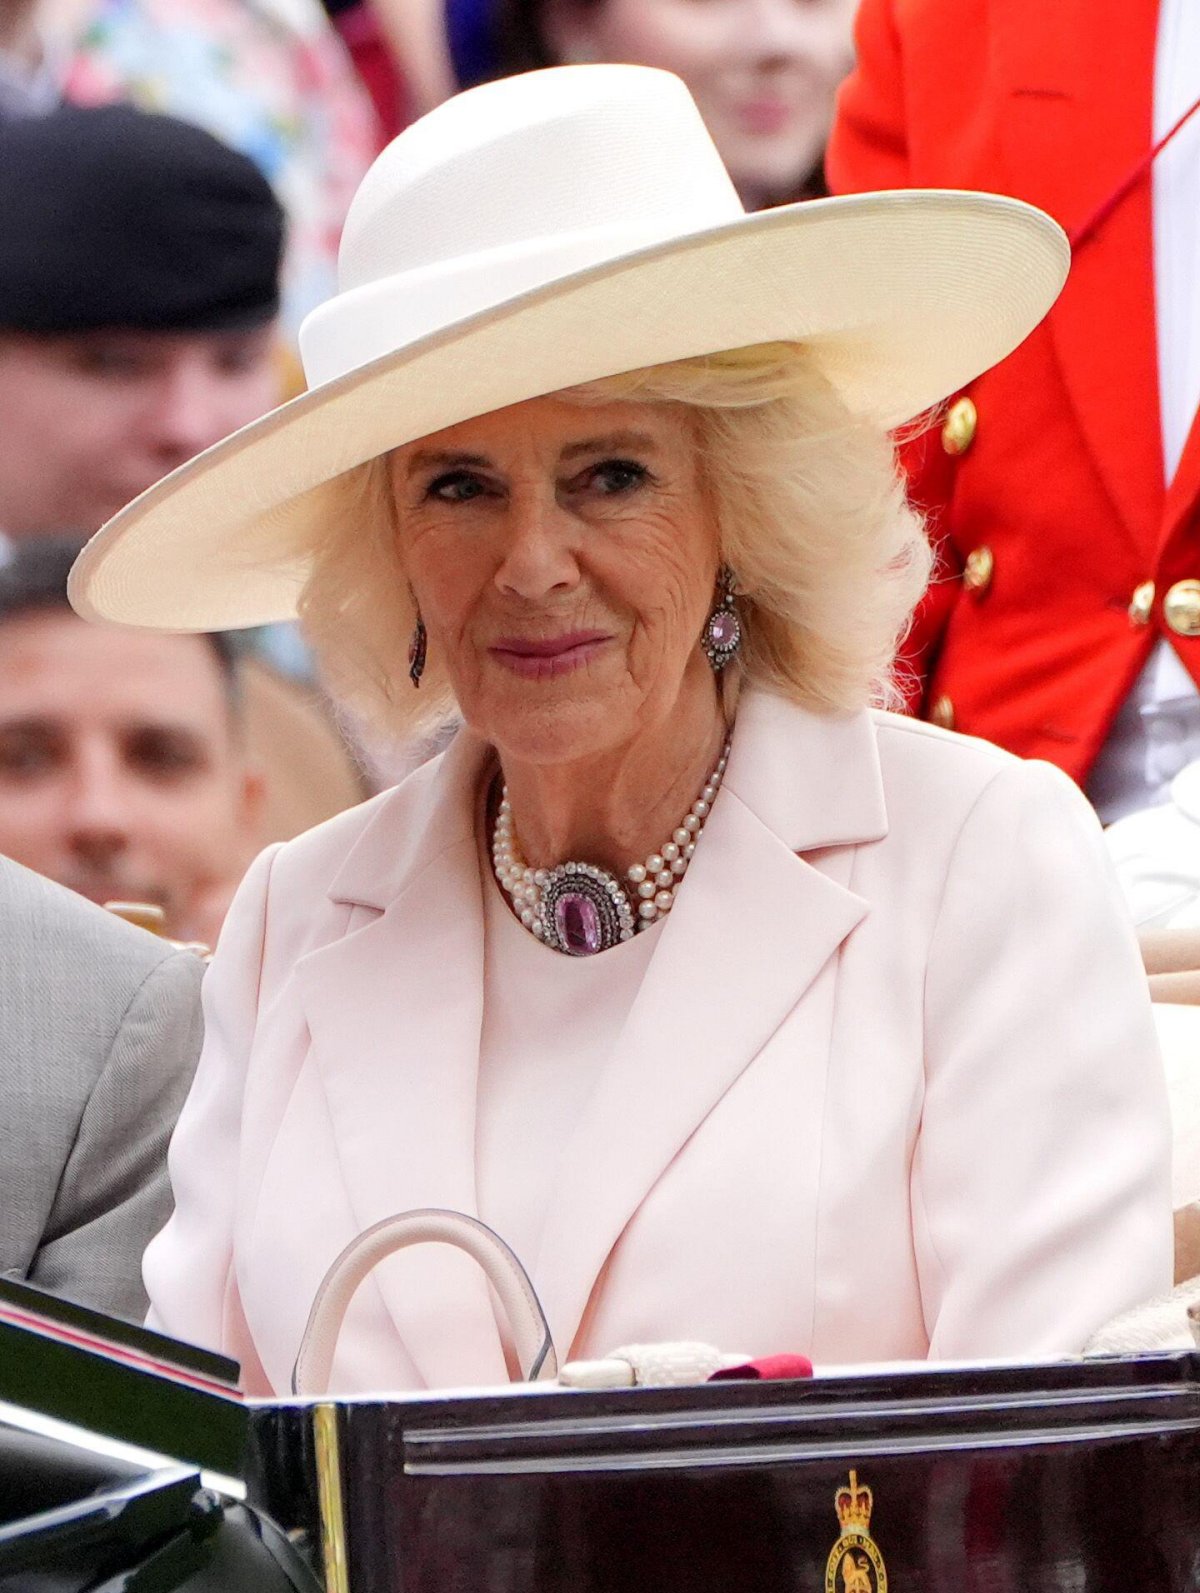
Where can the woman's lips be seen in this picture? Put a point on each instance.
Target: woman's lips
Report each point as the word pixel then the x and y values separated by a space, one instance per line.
pixel 541 658
pixel 765 115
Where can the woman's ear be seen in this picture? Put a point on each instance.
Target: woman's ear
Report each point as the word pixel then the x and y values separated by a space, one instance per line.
pixel 569 29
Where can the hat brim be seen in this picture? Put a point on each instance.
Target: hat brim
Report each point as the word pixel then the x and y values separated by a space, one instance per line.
pixel 902 298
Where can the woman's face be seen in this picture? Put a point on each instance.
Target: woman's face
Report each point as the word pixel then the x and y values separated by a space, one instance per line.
pixel 564 560
pixel 763 72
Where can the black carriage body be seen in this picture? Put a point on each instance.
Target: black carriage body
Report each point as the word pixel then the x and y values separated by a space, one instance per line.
pixel 1067 1478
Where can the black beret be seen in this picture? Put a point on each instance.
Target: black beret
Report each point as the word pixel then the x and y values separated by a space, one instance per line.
pixel 116 217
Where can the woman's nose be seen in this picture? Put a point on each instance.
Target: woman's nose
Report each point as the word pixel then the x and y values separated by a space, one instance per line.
pixel 774 28
pixel 539 553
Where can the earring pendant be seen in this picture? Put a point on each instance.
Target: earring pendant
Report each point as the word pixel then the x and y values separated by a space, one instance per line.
pixel 723 631
pixel 416 652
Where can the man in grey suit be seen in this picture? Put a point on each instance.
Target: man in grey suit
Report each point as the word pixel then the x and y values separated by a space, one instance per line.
pixel 99 1032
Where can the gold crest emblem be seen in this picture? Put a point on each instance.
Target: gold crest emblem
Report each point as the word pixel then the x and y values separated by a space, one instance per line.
pixel 855 1564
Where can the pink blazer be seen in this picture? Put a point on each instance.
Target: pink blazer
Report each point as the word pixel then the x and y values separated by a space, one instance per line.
pixel 889 1089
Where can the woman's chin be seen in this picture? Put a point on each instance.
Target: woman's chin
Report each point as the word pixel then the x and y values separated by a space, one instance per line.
pixel 553 732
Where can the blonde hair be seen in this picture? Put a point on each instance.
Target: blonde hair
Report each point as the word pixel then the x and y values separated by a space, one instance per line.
pixel 811 516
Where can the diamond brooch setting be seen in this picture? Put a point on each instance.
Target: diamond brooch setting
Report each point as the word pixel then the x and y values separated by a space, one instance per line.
pixel 579 909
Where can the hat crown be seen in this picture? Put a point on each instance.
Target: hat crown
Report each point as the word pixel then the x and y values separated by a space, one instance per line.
pixel 509 188
pixel 568 150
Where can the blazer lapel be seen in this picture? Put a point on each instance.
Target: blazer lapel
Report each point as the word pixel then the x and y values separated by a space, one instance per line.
pixel 1076 118
pixel 750 931
pixel 394 1010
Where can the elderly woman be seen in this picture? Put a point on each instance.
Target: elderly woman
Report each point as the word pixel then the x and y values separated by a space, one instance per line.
pixel 743 1010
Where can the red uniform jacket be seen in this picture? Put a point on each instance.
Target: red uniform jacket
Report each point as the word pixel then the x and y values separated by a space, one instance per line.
pixel 1060 493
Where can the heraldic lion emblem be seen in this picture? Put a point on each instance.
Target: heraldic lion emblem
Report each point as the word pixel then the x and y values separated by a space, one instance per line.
pixel 855 1564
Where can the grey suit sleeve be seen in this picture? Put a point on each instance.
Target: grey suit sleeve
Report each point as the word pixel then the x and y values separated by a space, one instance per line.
pixel 114 1193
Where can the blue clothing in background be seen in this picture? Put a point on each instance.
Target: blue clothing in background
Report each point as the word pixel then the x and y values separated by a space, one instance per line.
pixel 471 34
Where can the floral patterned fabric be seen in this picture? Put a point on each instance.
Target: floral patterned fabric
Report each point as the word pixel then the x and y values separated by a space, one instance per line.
pixel 270 77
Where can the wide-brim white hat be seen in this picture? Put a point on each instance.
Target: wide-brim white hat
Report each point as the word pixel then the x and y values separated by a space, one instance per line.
pixel 544 231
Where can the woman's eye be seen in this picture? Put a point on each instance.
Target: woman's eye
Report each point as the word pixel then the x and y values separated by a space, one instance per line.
pixel 617 475
pixel 456 486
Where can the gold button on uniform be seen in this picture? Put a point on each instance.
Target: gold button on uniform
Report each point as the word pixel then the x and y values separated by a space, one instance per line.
pixel 978 570
pixel 958 433
pixel 1181 608
pixel 1141 603
pixel 941 712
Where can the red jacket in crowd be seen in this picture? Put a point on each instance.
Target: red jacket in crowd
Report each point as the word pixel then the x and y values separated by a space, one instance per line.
pixel 1065 555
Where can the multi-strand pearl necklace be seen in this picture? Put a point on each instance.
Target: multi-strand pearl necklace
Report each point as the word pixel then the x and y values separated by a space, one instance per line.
pixel 580 909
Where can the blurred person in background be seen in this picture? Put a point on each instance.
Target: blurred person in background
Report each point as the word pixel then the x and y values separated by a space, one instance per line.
pixel 27 82
pixel 763 72
pixel 139 265
pixel 1065 483
pixel 139 285
pixel 378 65
pixel 124 771
pixel 270 78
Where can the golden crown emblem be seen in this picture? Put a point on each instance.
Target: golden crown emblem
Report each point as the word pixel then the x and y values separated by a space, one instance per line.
pixel 854 1506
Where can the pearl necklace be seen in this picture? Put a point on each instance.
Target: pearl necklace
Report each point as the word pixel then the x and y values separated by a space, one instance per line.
pixel 580 909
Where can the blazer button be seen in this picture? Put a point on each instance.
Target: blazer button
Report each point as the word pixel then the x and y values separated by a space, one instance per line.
pixel 958 432
pixel 1141 604
pixel 941 712
pixel 978 570
pixel 1181 608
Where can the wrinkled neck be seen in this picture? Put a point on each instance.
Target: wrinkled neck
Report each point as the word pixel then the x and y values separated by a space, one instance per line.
pixel 621 805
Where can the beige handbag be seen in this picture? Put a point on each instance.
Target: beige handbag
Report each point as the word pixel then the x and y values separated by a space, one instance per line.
pixel 627 1367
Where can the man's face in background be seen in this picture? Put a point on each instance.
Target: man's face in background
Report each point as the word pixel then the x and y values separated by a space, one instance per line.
pixel 89 420
pixel 122 773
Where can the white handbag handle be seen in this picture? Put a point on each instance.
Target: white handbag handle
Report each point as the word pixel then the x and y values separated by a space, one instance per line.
pixel 531 1333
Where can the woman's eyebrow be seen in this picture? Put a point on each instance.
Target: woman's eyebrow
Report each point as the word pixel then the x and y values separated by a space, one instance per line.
pixel 611 442
pixel 431 459
pixel 453 459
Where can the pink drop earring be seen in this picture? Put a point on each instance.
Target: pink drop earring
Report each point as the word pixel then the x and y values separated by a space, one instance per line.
pixel 722 636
